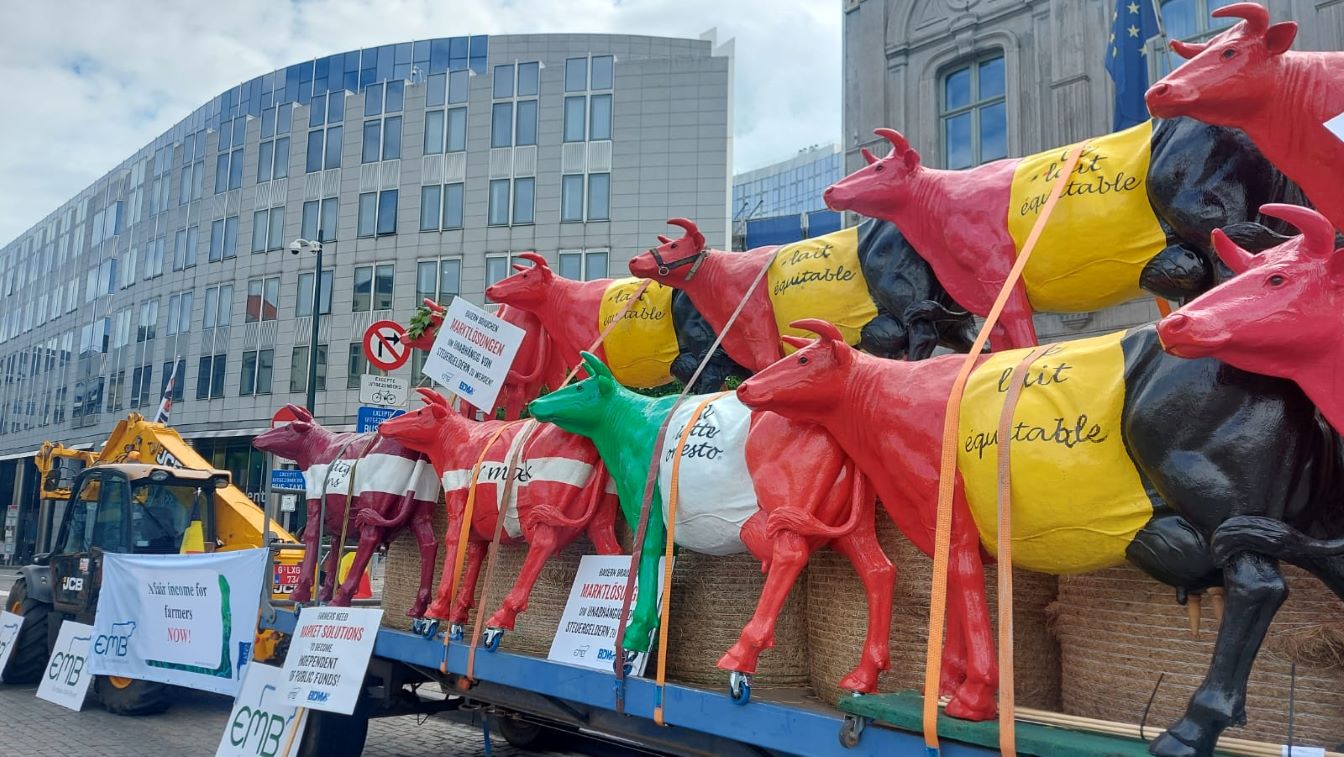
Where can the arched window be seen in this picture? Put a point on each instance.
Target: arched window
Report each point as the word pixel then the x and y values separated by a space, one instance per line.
pixel 972 112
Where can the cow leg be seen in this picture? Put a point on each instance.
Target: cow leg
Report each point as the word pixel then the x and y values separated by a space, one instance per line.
pixel 466 592
pixel 312 540
pixel 788 557
pixel 369 539
pixel 884 336
pixel 1177 273
pixel 1255 591
pixel 330 567
pixel 974 698
pixel 644 616
pixel 443 598
pixel 953 670
pixel 543 542
pixel 601 528
pixel 422 527
pixel 878 575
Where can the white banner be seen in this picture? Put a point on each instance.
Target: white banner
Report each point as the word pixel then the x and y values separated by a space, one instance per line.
pixel 587 632
pixel 66 680
pixel 327 658
pixel 186 620
pixel 10 624
pixel 259 728
pixel 472 353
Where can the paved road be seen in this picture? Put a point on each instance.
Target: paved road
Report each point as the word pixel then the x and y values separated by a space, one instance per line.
pixel 31 727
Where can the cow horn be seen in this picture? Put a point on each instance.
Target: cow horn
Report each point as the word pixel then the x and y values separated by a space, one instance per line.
pixel 1255 15
pixel 796 342
pixel 535 258
pixel 1187 50
pixel 899 144
pixel 824 329
pixel 1239 260
pixel 692 231
pixel 299 412
pixel 1318 234
pixel 432 397
pixel 868 157
pixel 664 239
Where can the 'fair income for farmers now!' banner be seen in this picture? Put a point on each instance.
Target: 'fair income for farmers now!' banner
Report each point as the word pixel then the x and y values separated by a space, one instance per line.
pixel 472 354
pixel 186 620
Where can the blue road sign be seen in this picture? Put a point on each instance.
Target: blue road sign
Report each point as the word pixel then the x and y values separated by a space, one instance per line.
pixel 368 418
pixel 287 480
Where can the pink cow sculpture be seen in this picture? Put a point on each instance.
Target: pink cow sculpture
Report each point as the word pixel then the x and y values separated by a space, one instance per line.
pixel 392 483
pixel 560 491
pixel 1247 78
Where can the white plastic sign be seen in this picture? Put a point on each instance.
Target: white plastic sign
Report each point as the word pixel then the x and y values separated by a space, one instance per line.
pixel 10 624
pixel 472 353
pixel 259 728
pixel 382 390
pixel 186 620
pixel 327 658
pixel 1336 127
pixel 66 679
pixel 587 632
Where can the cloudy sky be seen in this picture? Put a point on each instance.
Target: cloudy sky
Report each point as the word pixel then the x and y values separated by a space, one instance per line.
pixel 88 82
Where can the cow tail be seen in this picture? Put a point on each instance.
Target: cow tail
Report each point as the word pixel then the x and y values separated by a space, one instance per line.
pixel 804 523
pixel 407 509
pixel 1273 538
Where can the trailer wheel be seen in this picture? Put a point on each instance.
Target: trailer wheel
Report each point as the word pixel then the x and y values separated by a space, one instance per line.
pixel 330 734
pixel 30 646
pixel 130 696
pixel 523 734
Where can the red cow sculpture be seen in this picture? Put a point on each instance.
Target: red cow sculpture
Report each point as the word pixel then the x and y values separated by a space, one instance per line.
pixel 559 492
pixel 1247 78
pixel 536 366
pixel 391 482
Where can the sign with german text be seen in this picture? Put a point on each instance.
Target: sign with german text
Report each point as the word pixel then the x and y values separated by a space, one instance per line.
pixel 473 353
pixel 382 390
pixel 66 679
pixel 327 658
pixel 587 632
pixel 257 728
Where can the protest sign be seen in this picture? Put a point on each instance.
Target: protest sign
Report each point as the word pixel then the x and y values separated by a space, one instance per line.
pixel 472 353
pixel 587 632
pixel 324 669
pixel 66 679
pixel 10 624
pixel 261 728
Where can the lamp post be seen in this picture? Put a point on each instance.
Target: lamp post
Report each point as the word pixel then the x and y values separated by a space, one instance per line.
pixel 296 247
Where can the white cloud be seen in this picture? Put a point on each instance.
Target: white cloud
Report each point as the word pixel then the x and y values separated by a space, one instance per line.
pixel 89 82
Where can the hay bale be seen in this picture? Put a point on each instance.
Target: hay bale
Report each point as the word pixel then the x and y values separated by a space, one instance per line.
pixel 837 619
pixel 1119 629
pixel 401 577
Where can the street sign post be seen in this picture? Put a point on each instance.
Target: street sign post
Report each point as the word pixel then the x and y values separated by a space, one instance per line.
pixel 382 390
pixel 369 418
pixel 287 480
pixel 385 345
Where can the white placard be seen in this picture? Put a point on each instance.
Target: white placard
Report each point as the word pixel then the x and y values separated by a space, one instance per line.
pixel 587 632
pixel 327 658
pixel 186 620
pixel 1336 127
pixel 66 679
pixel 472 353
pixel 10 625
pixel 382 390
pixel 258 727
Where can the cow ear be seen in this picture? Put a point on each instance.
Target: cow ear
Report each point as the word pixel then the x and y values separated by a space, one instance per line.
pixel 1279 37
pixel 301 427
pixel 911 159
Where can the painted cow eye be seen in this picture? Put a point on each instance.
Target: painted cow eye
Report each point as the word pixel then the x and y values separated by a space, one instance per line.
pixel 1229 53
pixel 802 361
pixel 877 167
pixel 674 245
pixel 1277 280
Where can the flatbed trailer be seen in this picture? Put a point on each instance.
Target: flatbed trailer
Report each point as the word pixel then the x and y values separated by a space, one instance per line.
pixel 535 691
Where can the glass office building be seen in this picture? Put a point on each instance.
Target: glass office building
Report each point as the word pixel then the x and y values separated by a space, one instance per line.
pixel 782 202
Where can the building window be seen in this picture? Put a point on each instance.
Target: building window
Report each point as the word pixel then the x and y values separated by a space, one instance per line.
pixel 223 239
pixel 576 74
pixel 445 131
pixel 523 190
pixel 603 72
pixel 598 196
pixel 588 117
pixel 218 303
pixel 149 320
pixel 325 117
pixel 497 268
pixel 179 313
pixel 514 121
pixel 526 123
pixel 141 378
pixel 115 383
pixel 373 287
pixel 319 219
pixel 382 132
pixel 575 108
pixel 273 151
pixel 358 365
pixel 178 377
pixel 229 162
pixel 258 367
pixel 1186 20
pixel 268 229
pixel 263 299
pixel 571 197
pixel 184 248
pixel 499 203
pixel 583 265
pixel 377 213
pixel 210 377
pixel 193 168
pixel 501 125
pixel 305 303
pixel 154 257
pixel 128 266
pixel 438 280
pixel 298 369
pixel 973 113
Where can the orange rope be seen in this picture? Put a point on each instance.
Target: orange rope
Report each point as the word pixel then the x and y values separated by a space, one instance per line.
pixel 1163 307
pixel 948 464
pixel 666 600
pixel 1007 699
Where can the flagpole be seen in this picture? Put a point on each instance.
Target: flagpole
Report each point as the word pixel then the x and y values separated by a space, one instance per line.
pixel 1157 15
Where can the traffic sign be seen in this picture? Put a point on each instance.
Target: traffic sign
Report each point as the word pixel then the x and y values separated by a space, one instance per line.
pixel 287 480
pixel 283 415
pixel 382 390
pixel 385 345
pixel 369 418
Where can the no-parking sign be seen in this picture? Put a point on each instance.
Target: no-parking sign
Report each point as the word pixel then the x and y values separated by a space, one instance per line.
pixel 385 345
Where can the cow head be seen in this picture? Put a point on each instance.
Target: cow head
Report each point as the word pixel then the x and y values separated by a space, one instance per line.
pixel 675 261
pixel 582 407
pixel 881 188
pixel 1284 307
pixel 1228 77
pixel 807 384
pixel 293 440
pixel 528 287
pixel 420 429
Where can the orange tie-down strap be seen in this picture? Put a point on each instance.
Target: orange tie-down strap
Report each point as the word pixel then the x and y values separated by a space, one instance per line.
pixel 665 606
pixel 948 463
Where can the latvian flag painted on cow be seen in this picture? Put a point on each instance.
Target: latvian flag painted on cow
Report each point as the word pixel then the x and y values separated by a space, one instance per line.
pixel 166 404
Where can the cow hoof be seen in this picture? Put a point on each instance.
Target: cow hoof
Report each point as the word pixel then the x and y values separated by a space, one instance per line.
pixel 739 687
pixel 455 632
pixel 963 710
pixel 1168 745
pixel 491 638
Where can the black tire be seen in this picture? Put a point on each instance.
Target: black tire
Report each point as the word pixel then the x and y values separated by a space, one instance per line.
pixel 30 653
pixel 523 734
pixel 330 734
pixel 136 697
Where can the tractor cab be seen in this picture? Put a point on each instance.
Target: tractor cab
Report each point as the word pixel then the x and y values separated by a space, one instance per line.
pixel 127 508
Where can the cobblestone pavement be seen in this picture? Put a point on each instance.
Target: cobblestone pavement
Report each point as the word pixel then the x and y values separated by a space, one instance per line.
pixel 31 727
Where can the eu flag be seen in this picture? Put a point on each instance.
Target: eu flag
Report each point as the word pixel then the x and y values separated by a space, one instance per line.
pixel 1133 23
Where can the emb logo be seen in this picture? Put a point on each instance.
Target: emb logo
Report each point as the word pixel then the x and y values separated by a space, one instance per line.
pixel 117 642
pixel 66 666
pixel 8 632
pixel 257 726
